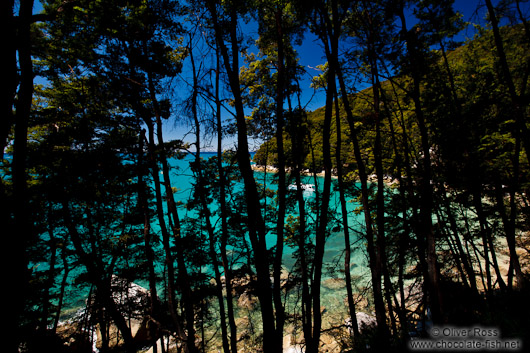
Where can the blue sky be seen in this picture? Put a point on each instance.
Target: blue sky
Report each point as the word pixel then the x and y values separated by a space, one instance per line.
pixel 311 55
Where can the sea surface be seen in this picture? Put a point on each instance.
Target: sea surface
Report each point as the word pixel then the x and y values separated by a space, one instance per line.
pixel 333 291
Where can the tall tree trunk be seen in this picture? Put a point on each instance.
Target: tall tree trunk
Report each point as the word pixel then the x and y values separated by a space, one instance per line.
pixel 517 101
pixel 521 133
pixel 50 275
pixel 205 211
pixel 451 236
pixel 280 223
pixel 509 231
pixel 320 237
pixel 463 258
pixel 256 225
pixel 62 290
pixel 22 230
pixel 142 199
pixel 425 229
pixel 345 225
pixel 183 276
pixel 375 265
pixel 486 236
pixel 326 36
pixel 222 201
pixel 297 134
pixel 168 259
pixel 378 157
pixel 10 81
pixel 404 239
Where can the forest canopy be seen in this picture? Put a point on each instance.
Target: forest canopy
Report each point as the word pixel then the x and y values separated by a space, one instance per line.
pixel 167 187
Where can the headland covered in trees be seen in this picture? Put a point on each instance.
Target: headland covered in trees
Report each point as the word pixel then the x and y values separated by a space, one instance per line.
pixel 398 211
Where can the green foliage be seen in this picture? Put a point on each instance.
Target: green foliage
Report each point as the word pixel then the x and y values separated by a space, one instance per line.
pixel 452 133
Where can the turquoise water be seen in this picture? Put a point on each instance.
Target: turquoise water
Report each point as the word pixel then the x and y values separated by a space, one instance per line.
pixel 182 179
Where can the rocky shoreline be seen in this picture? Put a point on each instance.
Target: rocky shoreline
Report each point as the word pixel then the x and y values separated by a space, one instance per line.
pixel 388 180
pixel 273 170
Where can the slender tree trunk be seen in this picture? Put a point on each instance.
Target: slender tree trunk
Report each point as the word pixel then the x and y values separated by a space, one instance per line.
pixel 515 98
pixel 223 206
pixel 345 225
pixel 451 236
pixel 462 257
pixel 142 199
pixel 523 20
pixel 10 81
pixel 486 236
pixel 320 238
pixel 218 282
pixel 466 261
pixel 183 277
pixel 168 259
pixel 297 141
pixel 375 266
pixel 66 272
pixel 22 230
pixel 404 236
pixel 509 231
pixel 408 187
pixel 333 30
pixel 51 275
pixel 425 231
pixel 215 264
pixel 328 41
pixel 380 197
pixel 205 211
pixel 280 223
pixel 511 237
pixel 521 134
pixel 256 225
